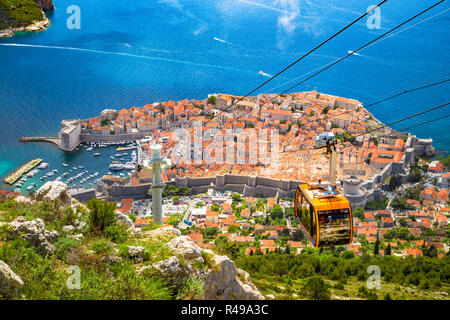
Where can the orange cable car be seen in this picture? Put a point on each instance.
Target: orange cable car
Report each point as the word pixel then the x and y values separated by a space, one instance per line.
pixel 323 212
pixel 326 218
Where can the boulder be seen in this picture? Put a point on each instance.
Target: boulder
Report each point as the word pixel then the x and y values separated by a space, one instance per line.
pixel 184 247
pixel 52 190
pixel 161 234
pixel 124 219
pixel 136 253
pixel 10 283
pixel 36 234
pixel 112 259
pixel 172 270
pixel 69 229
pixel 221 282
pixel 169 266
pixel 79 225
pixel 78 237
pixel 22 199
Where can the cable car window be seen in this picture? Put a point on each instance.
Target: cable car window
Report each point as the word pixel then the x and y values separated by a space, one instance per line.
pixel 307 216
pixel 334 227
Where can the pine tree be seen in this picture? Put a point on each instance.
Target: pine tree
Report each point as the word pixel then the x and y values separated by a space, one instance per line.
pixel 376 249
pixel 288 249
pixel 388 250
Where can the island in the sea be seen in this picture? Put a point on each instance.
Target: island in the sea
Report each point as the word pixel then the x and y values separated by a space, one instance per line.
pixel 24 15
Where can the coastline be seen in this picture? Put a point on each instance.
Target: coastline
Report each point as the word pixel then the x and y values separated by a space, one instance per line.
pixel 34 27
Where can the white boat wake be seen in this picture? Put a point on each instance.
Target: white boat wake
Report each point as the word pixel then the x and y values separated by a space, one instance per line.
pixel 220 40
pixel 123 54
pixel 264 74
pixel 354 53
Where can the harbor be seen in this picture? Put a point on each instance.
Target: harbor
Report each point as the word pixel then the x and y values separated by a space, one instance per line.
pixel 83 167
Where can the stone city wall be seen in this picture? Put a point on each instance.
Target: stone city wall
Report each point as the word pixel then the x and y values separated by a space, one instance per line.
pixel 90 137
pixel 82 194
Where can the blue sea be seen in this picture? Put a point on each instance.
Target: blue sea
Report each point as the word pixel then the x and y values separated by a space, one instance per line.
pixel 130 53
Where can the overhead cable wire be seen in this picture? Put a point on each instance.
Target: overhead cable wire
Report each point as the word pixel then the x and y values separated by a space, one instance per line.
pixel 302 57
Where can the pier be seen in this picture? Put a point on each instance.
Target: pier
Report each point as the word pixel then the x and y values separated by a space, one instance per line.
pixel 16 175
pixel 54 140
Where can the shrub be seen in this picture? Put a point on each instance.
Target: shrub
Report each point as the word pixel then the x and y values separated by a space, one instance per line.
pixel 192 289
pixel 339 286
pixel 101 246
pixel 132 216
pixel 102 214
pixel 316 289
pixel 116 233
pixel 63 244
pixel 348 254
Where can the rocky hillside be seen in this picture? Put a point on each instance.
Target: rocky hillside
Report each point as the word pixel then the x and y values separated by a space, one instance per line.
pixel 44 239
pixel 24 15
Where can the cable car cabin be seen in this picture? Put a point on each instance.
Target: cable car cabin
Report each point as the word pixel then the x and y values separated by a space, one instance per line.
pixel 325 216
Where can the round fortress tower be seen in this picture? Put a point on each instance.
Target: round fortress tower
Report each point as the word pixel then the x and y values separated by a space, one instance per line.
pixel 352 185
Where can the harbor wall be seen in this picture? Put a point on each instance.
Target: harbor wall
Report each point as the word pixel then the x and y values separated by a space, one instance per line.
pixel 90 137
pixel 82 194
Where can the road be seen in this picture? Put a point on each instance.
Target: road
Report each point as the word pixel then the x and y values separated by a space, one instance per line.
pixel 183 225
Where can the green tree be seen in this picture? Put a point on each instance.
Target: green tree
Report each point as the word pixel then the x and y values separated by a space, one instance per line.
pixel 316 289
pixel 388 250
pixel 233 229
pixel 359 213
pixel 376 249
pixel 394 182
pixel 276 213
pixel 288 249
pixel 432 252
pixel 212 99
pixel 445 161
pixel 236 197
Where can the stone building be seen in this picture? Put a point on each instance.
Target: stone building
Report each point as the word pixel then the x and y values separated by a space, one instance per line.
pixel 70 134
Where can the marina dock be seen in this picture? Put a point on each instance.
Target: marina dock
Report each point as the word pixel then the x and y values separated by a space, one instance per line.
pixel 16 175
pixel 126 148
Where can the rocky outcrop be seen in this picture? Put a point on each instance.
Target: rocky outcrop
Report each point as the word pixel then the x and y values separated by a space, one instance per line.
pixel 45 4
pixel 222 280
pixel 10 283
pixel 163 234
pixel 6 33
pixel 172 270
pixel 53 190
pixel 124 219
pixel 77 226
pixel 222 283
pixel 183 246
pixel 35 233
pixel 33 27
pixel 136 253
pixel 23 199
pixel 112 259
